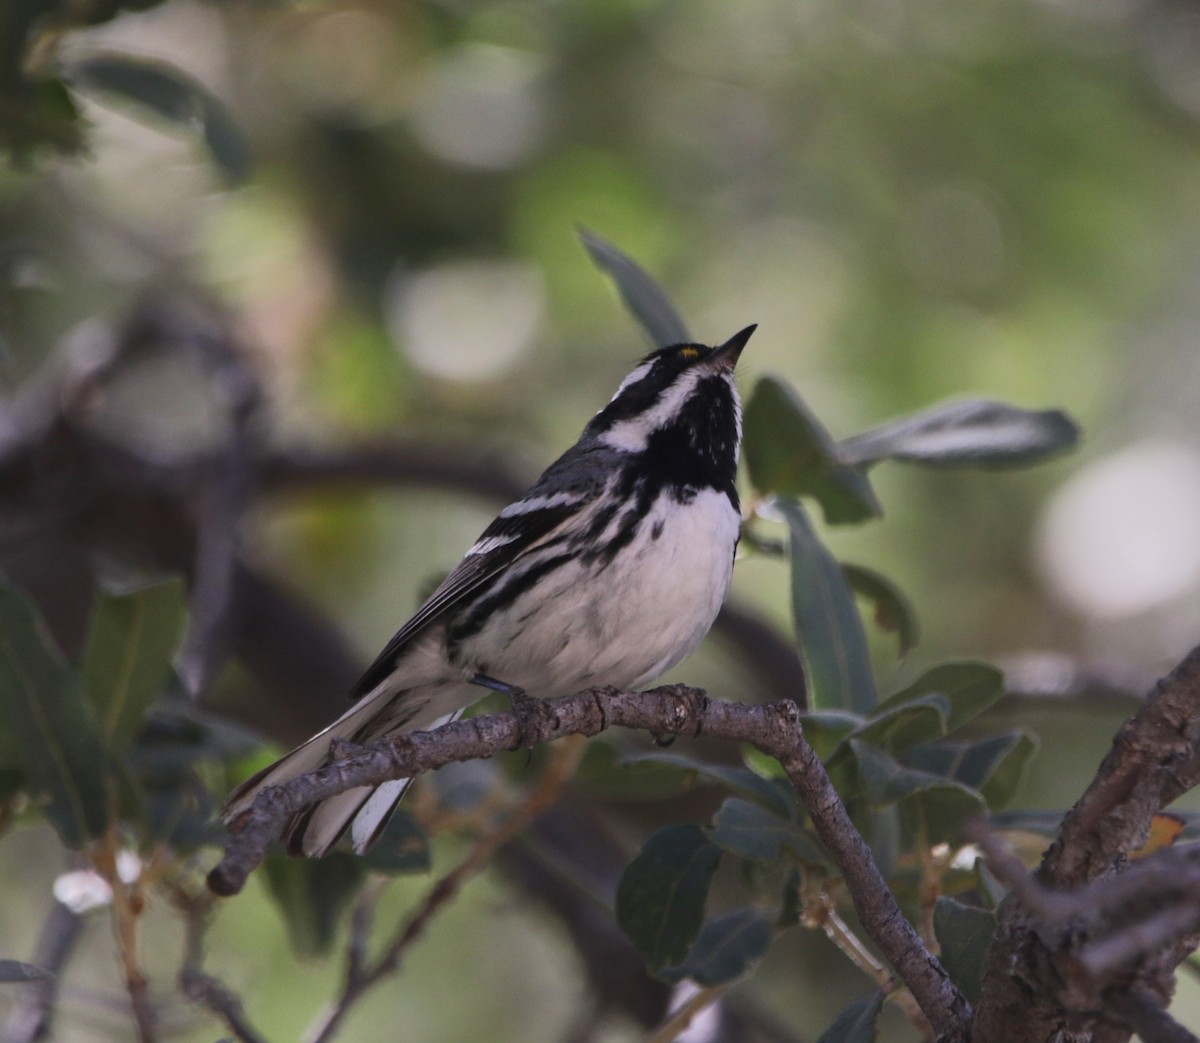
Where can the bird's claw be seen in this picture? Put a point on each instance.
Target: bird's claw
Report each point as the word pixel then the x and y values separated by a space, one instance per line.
pixel 534 717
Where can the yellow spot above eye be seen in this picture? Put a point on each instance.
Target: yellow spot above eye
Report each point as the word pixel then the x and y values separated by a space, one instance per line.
pixel 689 353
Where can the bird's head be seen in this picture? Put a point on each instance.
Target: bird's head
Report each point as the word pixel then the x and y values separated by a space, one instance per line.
pixel 680 408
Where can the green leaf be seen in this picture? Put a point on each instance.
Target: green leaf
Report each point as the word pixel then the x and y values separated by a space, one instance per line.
pixel 933 806
pixel 884 779
pixel 663 892
pixel 789 453
pixel 313 896
pixel 178 735
pixel 829 629
pixel 727 947
pixel 918 720
pixel 774 794
pixel 893 613
pixel 1004 763
pixel 12 782
pixel 996 766
pixel 825 729
pixel 974 433
pixel 46 726
pixel 128 657
pixel 167 92
pixel 751 832
pixel 178 812
pixel 607 773
pixel 857 1023
pixel 403 847
pixel 644 298
pixel 964 933
pixel 971 687
pixel 791 901
pixel 16 971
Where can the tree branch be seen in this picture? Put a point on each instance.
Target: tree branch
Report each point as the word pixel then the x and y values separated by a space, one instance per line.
pixel 675 710
pixel 1052 967
pixel 1136 780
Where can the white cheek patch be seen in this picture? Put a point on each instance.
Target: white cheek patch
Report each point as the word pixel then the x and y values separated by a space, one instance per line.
pixel 630 436
pixel 627 437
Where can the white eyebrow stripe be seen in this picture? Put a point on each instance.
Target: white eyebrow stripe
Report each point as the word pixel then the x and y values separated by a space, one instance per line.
pixel 633 378
pixel 488 545
pixel 540 503
pixel 631 435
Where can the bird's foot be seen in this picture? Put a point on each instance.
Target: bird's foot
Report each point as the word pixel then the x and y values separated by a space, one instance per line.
pixel 534 716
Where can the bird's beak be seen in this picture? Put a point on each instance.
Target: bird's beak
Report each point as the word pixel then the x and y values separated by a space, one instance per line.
pixel 726 356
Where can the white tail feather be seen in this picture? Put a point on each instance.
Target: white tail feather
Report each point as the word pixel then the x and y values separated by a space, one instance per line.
pixel 365 809
pixel 303 759
pixel 373 815
pixel 328 820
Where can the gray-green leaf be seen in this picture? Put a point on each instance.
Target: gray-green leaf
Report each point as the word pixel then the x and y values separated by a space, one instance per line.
pixel 663 892
pixel 751 832
pixel 973 433
pixel 964 933
pixel 172 95
pixel 645 299
pixel 777 796
pixel 935 805
pixel 789 453
pixel 995 766
pixel 607 773
pixel 829 629
pixel 131 640
pixel 46 726
pixel 893 611
pixel 896 728
pixel 970 687
pixel 726 948
pixel 857 1023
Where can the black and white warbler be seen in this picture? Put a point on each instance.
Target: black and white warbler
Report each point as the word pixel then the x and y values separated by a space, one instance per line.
pixel 609 570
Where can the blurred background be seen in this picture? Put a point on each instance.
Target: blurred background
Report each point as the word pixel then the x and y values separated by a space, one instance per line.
pixel 914 200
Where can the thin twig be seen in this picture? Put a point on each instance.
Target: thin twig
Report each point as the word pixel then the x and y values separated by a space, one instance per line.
pixel 197 985
pixel 1105 956
pixel 127 905
pixel 1152 1024
pixel 225 492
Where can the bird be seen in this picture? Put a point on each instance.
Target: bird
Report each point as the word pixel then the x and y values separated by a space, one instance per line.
pixel 609 570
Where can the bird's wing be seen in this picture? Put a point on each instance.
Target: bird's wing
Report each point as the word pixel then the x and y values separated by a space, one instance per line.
pixel 519 529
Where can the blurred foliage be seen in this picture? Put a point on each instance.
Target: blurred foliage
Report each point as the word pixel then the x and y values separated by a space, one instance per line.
pixel 916 202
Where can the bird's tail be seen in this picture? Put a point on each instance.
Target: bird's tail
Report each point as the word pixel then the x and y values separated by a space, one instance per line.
pixel 314 830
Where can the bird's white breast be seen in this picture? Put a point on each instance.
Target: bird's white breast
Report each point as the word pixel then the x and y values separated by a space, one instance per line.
pixel 626 622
